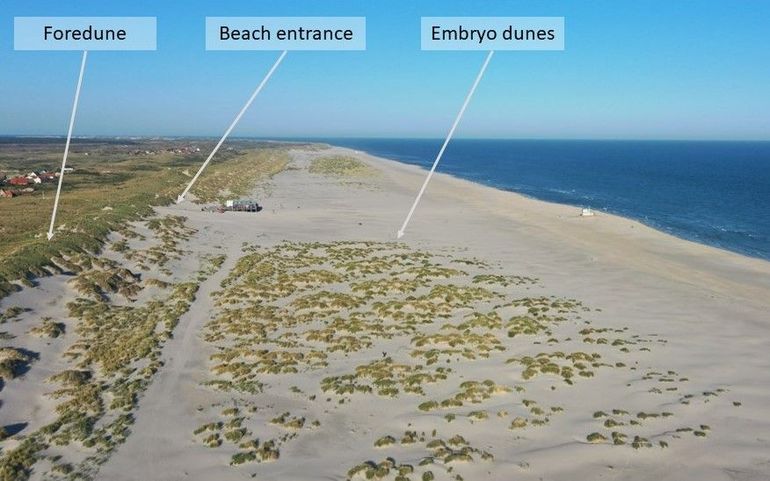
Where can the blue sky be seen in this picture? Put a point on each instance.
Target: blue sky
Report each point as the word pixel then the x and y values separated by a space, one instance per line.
pixel 654 69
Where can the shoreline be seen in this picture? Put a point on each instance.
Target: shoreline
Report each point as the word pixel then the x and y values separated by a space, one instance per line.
pixel 659 228
pixel 647 243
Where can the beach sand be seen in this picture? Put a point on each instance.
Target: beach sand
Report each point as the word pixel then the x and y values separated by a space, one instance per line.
pixel 696 320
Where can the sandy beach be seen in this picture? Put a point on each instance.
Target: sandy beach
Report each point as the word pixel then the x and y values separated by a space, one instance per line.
pixel 566 347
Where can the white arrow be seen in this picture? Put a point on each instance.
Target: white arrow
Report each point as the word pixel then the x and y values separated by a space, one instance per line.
pixel 67 145
pixel 400 232
pixel 232 125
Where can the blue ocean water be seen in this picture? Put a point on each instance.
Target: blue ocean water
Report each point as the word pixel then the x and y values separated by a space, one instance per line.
pixel 716 193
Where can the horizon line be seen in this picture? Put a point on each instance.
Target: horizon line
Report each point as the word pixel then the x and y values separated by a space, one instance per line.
pixel 364 137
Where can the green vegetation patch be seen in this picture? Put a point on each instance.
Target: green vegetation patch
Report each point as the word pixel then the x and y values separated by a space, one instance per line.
pixel 339 165
pixel 48 328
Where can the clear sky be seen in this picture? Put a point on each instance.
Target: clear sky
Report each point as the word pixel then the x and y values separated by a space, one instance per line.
pixel 653 69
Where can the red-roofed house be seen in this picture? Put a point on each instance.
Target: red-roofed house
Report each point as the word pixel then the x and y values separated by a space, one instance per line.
pixel 18 181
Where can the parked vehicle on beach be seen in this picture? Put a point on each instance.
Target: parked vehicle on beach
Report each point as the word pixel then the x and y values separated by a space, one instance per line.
pixel 242 206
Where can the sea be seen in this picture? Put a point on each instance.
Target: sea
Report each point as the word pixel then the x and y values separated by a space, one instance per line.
pixel 712 192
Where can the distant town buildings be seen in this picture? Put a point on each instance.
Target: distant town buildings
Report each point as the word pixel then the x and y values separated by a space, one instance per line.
pixel 23 184
pixel 20 184
pixel 171 150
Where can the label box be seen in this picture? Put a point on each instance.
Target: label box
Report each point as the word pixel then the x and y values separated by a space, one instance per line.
pixel 29 33
pixel 357 25
pixel 469 28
